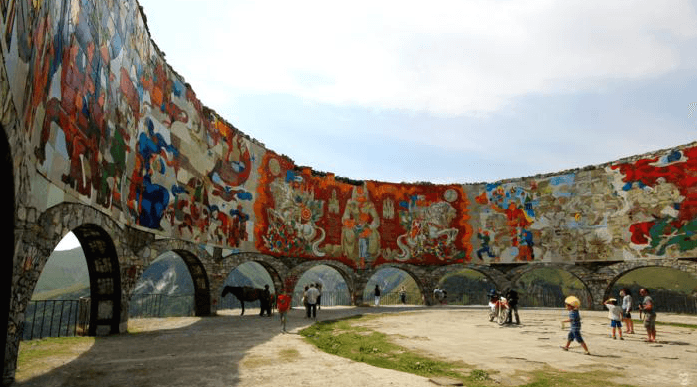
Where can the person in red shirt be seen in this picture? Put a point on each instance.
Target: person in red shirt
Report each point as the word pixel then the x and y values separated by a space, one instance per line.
pixel 283 304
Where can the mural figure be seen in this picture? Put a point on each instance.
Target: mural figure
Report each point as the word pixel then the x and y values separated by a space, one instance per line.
pixel 360 239
pixel 484 247
pixel 232 171
pixel 238 228
pixel 662 201
pixel 148 199
pixel 429 229
pixel 292 220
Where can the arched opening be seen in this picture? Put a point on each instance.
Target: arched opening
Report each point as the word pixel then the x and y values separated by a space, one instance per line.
pixel 60 303
pixel 7 176
pixel 391 281
pixel 673 290
pixel 465 287
pixel 165 289
pixel 332 285
pixel 548 287
pixel 251 274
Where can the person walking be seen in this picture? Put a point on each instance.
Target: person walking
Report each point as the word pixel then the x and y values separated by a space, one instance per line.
pixel 319 298
pixel 627 305
pixel 572 305
pixel 649 310
pixel 306 305
pixel 376 292
pixel 283 303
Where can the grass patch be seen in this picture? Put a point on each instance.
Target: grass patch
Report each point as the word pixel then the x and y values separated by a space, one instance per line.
pixel 38 356
pixel 550 377
pixel 347 339
pixel 288 355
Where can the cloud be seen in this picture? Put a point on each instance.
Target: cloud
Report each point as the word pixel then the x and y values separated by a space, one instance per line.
pixel 446 59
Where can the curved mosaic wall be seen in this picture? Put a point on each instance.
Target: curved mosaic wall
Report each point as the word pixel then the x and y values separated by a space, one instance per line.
pixel 111 125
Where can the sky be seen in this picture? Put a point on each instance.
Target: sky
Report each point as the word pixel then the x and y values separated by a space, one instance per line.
pixel 446 91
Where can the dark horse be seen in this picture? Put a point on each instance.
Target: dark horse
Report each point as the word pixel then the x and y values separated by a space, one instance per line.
pixel 246 293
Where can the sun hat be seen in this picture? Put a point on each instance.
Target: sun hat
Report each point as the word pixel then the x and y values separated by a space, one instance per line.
pixel 573 301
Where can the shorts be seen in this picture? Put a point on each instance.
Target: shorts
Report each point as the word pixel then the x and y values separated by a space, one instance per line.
pixel 575 335
pixel 627 315
pixel 616 324
pixel 650 321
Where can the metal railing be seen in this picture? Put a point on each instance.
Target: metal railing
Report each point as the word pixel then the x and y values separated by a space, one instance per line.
pixel 161 305
pixel 56 318
pixel 329 298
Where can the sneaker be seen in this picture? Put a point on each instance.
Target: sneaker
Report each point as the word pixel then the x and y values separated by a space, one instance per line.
pixel 621 338
pixel 614 338
pixel 588 353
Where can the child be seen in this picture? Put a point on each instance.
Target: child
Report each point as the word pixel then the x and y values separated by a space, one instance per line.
pixel 572 305
pixel 615 316
pixel 283 303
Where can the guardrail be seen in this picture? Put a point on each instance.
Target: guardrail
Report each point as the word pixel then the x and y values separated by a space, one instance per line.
pixel 56 318
pixel 147 305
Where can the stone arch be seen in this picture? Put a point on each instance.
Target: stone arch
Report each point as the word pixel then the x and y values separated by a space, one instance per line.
pixel 296 272
pixel 272 265
pixel 197 260
pixel 581 273
pixel 614 272
pixel 412 270
pixel 492 274
pixel 100 238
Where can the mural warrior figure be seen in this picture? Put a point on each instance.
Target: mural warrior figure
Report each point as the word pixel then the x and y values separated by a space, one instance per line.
pixel 485 248
pixel 360 239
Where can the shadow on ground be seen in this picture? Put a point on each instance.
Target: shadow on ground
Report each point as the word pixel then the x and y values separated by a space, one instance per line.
pixel 205 353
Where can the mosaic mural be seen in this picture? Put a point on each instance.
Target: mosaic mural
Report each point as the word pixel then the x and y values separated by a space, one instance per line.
pixel 110 124
pixel 307 214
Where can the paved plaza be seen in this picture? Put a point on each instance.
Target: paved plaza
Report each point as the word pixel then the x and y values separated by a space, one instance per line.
pixel 233 350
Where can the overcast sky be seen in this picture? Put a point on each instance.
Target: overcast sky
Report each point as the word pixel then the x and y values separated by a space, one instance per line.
pixel 446 91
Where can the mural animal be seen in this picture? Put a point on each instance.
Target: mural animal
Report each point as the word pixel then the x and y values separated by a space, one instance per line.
pixel 247 293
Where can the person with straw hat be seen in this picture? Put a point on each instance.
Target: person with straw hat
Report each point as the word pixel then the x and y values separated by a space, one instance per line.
pixel 572 305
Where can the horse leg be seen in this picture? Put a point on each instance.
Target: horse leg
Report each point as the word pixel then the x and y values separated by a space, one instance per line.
pixel 242 302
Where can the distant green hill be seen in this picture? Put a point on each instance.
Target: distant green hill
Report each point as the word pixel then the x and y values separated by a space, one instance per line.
pixel 660 278
pixel 65 273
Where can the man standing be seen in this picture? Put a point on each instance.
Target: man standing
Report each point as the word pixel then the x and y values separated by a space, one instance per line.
pixel 649 315
pixel 311 296
pixel 377 295
pixel 512 298
pixel 265 302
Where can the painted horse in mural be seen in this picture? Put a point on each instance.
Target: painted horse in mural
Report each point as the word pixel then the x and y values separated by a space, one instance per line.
pixel 427 226
pixel 247 293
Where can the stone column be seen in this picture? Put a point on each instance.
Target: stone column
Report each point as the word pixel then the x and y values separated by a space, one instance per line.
pixel 359 284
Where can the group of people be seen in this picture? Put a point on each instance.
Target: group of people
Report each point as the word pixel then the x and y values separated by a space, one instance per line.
pixel 617 315
pixel 312 296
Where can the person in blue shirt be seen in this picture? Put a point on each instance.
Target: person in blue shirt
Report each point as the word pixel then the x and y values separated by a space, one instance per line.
pixel 575 330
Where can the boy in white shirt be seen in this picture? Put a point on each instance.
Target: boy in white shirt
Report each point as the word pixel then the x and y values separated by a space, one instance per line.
pixel 615 316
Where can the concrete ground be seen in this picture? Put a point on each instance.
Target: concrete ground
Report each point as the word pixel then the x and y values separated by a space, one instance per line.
pixel 233 350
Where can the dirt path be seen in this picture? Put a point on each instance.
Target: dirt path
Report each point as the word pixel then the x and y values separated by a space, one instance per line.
pixel 230 350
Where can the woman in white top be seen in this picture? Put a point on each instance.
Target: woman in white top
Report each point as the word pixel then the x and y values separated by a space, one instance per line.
pixel 626 310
